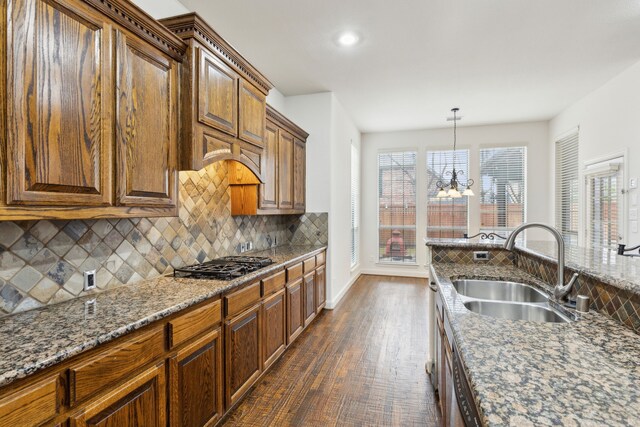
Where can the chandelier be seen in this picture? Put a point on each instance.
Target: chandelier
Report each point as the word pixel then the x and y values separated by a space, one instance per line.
pixel 455 184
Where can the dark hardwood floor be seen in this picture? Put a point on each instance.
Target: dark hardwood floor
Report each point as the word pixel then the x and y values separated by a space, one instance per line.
pixel 361 364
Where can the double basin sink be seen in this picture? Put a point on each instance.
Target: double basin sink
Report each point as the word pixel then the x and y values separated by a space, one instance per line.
pixel 508 300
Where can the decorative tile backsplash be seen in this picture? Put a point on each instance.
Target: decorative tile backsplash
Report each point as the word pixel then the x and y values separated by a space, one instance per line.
pixel 42 262
pixel 619 304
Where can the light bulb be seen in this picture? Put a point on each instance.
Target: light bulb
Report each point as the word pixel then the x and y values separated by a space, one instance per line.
pixel 441 193
pixel 468 192
pixel 454 194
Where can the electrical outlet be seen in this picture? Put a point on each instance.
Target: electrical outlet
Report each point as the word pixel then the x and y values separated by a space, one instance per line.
pixel 90 280
pixel 481 256
pixel 633 214
pixel 633 183
pixel 634 226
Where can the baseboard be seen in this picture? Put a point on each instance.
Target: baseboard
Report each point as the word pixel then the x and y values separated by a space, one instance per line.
pixel 334 301
pixel 423 274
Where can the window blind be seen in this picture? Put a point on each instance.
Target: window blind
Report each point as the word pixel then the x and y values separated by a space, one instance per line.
pixel 355 206
pixel 567 178
pixel 502 188
pixel 397 207
pixel 603 189
pixel 446 217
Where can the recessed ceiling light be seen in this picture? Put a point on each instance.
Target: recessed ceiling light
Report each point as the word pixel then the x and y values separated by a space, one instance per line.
pixel 348 38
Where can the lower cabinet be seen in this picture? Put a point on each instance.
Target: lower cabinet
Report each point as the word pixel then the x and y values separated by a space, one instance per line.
pixel 243 340
pixel 274 315
pixel 196 383
pixel 34 405
pixel 140 402
pixel 321 288
pixel 295 316
pixel 309 297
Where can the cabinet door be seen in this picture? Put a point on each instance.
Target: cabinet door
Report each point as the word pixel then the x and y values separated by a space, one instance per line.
pixel 285 170
pixel 243 341
pixel 217 92
pixel 321 288
pixel 269 189
pixel 253 114
pixel 274 327
pixel 146 124
pixel 195 376
pixel 140 402
pixel 299 165
pixel 309 297
pixel 33 405
pixel 59 133
pixel 295 316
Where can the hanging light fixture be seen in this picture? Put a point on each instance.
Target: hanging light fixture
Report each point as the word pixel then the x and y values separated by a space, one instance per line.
pixel 455 184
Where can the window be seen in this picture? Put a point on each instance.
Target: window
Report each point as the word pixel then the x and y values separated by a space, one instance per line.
pixel 567 187
pixel 604 182
pixel 502 189
pixel 355 206
pixel 446 217
pixel 397 207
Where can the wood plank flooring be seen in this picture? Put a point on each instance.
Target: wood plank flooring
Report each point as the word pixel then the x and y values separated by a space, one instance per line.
pixel 361 364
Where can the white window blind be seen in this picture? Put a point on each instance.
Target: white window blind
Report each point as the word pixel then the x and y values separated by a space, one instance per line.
pixel 355 206
pixel 567 179
pixel 446 217
pixel 604 205
pixel 502 188
pixel 397 207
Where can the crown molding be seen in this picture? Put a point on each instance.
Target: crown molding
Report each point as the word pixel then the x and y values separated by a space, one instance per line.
pixel 279 119
pixel 192 26
pixel 140 23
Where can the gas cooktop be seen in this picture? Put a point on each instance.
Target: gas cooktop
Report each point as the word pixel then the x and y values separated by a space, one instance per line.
pixel 225 268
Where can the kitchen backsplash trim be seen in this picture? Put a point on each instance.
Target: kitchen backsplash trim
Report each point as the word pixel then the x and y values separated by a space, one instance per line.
pixel 42 262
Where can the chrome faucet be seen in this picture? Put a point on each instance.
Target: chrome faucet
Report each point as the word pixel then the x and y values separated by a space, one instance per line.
pixel 561 290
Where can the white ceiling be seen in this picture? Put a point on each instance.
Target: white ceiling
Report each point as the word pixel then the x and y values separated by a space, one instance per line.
pixel 498 60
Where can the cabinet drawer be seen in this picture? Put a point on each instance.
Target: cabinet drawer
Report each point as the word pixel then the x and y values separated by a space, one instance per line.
pixel 194 322
pixel 33 405
pixel 273 283
pixel 320 258
pixel 89 376
pixel 309 264
pixel 294 272
pixel 239 300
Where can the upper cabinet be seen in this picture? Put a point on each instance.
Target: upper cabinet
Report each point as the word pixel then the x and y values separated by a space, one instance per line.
pixel 223 100
pixel 89 115
pixel 283 166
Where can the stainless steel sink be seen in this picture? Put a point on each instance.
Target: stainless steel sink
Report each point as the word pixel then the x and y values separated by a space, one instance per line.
pixel 515 311
pixel 499 290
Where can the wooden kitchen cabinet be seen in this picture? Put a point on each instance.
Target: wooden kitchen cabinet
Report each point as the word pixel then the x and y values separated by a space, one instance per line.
pixel 295 310
pixel 299 170
pixel 243 353
pixel 321 288
pixel 139 402
pixel 33 405
pixel 274 314
pixel 252 112
pixel 285 170
pixel 283 166
pixel 223 99
pixel 309 289
pixel 89 108
pixel 196 383
pixel 146 124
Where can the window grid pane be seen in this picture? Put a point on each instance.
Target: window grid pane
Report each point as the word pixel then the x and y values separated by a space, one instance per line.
pixel 446 217
pixel 603 211
pixel 397 207
pixel 502 189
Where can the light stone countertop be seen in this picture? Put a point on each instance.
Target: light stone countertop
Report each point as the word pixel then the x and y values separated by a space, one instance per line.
pixel 583 373
pixel 33 340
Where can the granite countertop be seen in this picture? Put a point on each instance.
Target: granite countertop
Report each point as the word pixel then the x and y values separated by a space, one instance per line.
pixel 33 340
pixel 583 373
pixel 603 264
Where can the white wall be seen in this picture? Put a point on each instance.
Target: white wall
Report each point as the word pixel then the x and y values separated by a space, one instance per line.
pixel 609 121
pixel 276 99
pixel 533 135
pixel 331 132
pixel 161 8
